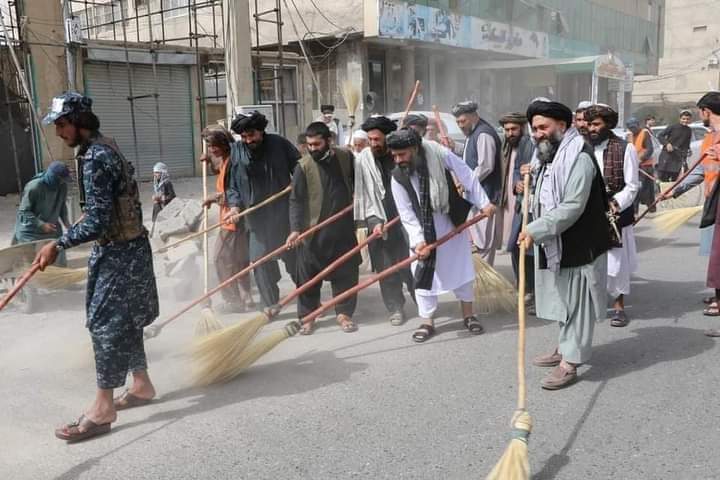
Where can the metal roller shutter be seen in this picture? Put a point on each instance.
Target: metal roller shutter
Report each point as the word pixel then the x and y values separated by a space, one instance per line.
pixel 107 85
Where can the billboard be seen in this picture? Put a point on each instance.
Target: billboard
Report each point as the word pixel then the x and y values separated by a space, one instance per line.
pixel 407 21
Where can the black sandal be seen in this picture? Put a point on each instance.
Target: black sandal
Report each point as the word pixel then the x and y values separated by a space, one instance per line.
pixel 423 333
pixel 473 325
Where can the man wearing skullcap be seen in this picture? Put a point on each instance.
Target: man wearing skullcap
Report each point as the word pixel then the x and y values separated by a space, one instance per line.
pixel 618 160
pixel 482 153
pixel 261 166
pixel 322 186
pixel 517 150
pixel 327 116
pixel 418 122
pixel 571 234
pixel 374 206
pixel 359 141
pixel 580 121
pixel 676 147
pixel 708 173
pixel 430 206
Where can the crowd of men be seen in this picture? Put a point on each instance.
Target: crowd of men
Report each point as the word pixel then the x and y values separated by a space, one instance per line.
pixel 585 188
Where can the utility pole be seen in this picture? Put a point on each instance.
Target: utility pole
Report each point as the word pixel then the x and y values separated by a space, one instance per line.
pixel 70 50
pixel 238 67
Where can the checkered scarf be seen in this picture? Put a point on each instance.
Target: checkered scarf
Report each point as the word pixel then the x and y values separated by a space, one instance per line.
pixel 425 271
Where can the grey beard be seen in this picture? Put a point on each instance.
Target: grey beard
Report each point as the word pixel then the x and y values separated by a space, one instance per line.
pixel 547 148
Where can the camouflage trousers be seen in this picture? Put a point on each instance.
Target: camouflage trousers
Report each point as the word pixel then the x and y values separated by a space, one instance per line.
pixel 119 349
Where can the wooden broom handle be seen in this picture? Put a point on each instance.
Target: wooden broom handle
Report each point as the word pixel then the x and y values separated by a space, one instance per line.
pixel 440 126
pixel 206 210
pixel 310 231
pixel 522 317
pixel 669 189
pixel 245 212
pixel 388 271
pixel 410 102
pixel 334 265
pixel 19 285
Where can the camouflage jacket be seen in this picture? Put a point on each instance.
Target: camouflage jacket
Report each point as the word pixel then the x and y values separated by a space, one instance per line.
pixel 102 183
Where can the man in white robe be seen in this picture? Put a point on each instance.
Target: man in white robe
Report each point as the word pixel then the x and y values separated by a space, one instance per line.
pixel 430 207
pixel 618 160
pixel 571 233
pixel 481 153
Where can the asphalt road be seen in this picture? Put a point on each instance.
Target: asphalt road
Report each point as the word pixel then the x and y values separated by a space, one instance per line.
pixel 374 405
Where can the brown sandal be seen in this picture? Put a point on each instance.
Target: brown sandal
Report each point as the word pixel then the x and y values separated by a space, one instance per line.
pixel 307 328
pixel 72 432
pixel 127 400
pixel 346 323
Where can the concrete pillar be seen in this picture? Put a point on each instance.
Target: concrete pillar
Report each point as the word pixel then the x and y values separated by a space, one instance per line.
pixel 408 74
pixel 47 67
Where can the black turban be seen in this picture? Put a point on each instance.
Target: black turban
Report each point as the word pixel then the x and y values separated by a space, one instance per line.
pixel 514 117
pixel 403 138
pixel 255 121
pixel 379 122
pixel 464 107
pixel 327 108
pixel 710 101
pixel 417 120
pixel 555 110
pixel 608 115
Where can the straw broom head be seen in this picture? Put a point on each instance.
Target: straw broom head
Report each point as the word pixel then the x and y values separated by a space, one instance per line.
pixel 351 96
pixel 514 464
pixel 207 323
pixel 54 278
pixel 492 291
pixel 217 353
pixel 669 221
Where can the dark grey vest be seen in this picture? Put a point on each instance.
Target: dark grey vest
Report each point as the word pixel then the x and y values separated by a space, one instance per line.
pixel 492 184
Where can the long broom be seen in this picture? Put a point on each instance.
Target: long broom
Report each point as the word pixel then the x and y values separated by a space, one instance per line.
pixel 351 96
pixel 245 212
pixel 230 346
pixel 207 321
pixel 228 360
pixel 669 221
pixel 514 464
pixel 669 189
pixel 155 329
pixel 54 278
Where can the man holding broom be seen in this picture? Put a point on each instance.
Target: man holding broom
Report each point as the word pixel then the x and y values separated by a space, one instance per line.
pixel 262 166
pixel 430 206
pixel 374 206
pixel 572 234
pixel 322 186
pixel 121 291
pixel 231 246
pixel 482 154
pixel 618 161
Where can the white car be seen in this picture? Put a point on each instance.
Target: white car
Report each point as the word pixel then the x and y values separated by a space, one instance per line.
pixel 448 119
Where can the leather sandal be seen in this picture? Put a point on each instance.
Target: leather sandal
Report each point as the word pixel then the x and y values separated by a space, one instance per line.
pixel 81 429
pixel 127 400
pixel 619 319
pixel 346 324
pixel 423 333
pixel 473 325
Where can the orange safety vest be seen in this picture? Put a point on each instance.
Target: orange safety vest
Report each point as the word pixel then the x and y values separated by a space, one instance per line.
pixel 220 187
pixel 639 142
pixel 711 166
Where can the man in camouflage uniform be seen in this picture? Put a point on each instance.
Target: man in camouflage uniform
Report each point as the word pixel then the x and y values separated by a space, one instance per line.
pixel 121 291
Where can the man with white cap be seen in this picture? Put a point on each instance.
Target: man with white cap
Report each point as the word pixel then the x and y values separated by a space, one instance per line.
pixel 581 124
pixel 359 141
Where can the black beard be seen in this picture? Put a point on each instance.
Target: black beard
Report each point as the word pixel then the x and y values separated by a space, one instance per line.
pixel 379 152
pixel 407 168
pixel 319 155
pixel 583 131
pixel 513 141
pixel 706 123
pixel 598 138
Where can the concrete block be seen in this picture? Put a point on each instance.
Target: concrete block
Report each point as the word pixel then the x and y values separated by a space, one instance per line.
pixel 192 213
pixel 171 210
pixel 171 226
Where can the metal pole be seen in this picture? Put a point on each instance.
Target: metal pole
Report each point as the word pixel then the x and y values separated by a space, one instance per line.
pixel 131 96
pixel 281 116
pixel 70 59
pixel 11 132
pixel 258 61
pixel 156 94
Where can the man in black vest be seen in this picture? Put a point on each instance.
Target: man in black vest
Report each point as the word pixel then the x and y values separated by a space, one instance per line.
pixel 322 186
pixel 618 160
pixel 517 150
pixel 571 236
pixel 261 166
pixel 482 154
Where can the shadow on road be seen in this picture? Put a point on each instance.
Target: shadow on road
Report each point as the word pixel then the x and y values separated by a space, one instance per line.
pixel 664 299
pixel 298 375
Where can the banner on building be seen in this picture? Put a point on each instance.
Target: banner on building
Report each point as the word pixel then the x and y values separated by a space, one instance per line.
pixel 405 21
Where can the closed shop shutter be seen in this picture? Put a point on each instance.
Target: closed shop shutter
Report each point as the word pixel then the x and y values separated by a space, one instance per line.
pixel 107 84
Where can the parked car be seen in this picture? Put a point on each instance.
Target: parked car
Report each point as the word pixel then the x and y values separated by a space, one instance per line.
pixel 698 135
pixel 448 119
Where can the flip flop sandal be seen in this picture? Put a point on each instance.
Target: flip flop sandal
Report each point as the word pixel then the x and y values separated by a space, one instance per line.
pixel 347 326
pixel 127 400
pixel 473 325
pixel 307 329
pixel 71 432
pixel 423 333
pixel 619 319
pixel 712 310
